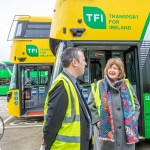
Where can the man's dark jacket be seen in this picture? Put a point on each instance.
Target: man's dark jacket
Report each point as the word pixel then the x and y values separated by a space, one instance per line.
pixel 57 106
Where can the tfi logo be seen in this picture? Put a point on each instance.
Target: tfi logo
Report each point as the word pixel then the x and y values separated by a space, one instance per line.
pixel 32 50
pixel 94 17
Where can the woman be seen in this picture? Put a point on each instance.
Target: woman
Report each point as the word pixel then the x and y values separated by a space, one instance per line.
pixel 115 110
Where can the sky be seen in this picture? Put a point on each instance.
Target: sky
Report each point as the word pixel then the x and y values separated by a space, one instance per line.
pixel 10 8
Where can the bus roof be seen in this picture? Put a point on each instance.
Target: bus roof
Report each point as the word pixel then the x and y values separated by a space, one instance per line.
pixel 33 18
pixel 113 20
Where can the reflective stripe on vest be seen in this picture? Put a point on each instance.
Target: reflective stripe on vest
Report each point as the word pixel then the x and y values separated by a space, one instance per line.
pixel 97 97
pixel 96 94
pixel 131 95
pixel 69 132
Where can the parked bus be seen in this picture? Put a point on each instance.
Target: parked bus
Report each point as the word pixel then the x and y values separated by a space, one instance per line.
pixel 33 64
pixel 106 29
pixel 6 68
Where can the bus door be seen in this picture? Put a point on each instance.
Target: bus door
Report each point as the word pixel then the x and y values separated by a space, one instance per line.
pixel 34 86
pixel 132 69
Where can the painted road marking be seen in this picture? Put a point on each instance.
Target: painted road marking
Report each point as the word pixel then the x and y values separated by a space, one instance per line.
pixel 8 119
pixel 18 122
pixel 23 126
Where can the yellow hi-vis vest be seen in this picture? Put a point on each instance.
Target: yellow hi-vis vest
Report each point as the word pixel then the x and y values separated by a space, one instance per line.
pixel 69 133
pixel 96 93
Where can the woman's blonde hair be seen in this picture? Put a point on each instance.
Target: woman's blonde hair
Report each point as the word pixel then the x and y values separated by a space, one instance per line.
pixel 118 62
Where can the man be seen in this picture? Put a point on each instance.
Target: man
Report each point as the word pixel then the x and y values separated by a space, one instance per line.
pixel 67 125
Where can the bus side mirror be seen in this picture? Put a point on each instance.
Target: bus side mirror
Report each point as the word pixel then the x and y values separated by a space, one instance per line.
pixel 77 31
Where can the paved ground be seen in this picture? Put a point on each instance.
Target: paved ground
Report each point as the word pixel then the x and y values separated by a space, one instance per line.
pixel 20 134
pixel 26 134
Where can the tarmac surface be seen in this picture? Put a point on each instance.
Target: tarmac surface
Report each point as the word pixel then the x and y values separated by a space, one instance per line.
pixel 26 134
pixel 20 134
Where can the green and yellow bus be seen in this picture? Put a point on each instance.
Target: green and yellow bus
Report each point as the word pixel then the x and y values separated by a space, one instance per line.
pixel 6 68
pixel 33 63
pixel 105 29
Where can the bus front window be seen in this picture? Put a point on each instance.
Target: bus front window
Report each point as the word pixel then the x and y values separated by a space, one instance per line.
pixel 19 29
pixel 37 30
pixel 13 82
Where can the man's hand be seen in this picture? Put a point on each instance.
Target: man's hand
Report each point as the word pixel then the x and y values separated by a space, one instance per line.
pixel 43 143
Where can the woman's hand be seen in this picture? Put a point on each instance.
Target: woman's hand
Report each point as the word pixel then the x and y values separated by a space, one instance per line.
pixel 98 124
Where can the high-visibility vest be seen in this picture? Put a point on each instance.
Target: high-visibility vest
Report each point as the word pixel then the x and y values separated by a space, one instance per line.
pixel 96 93
pixel 69 133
